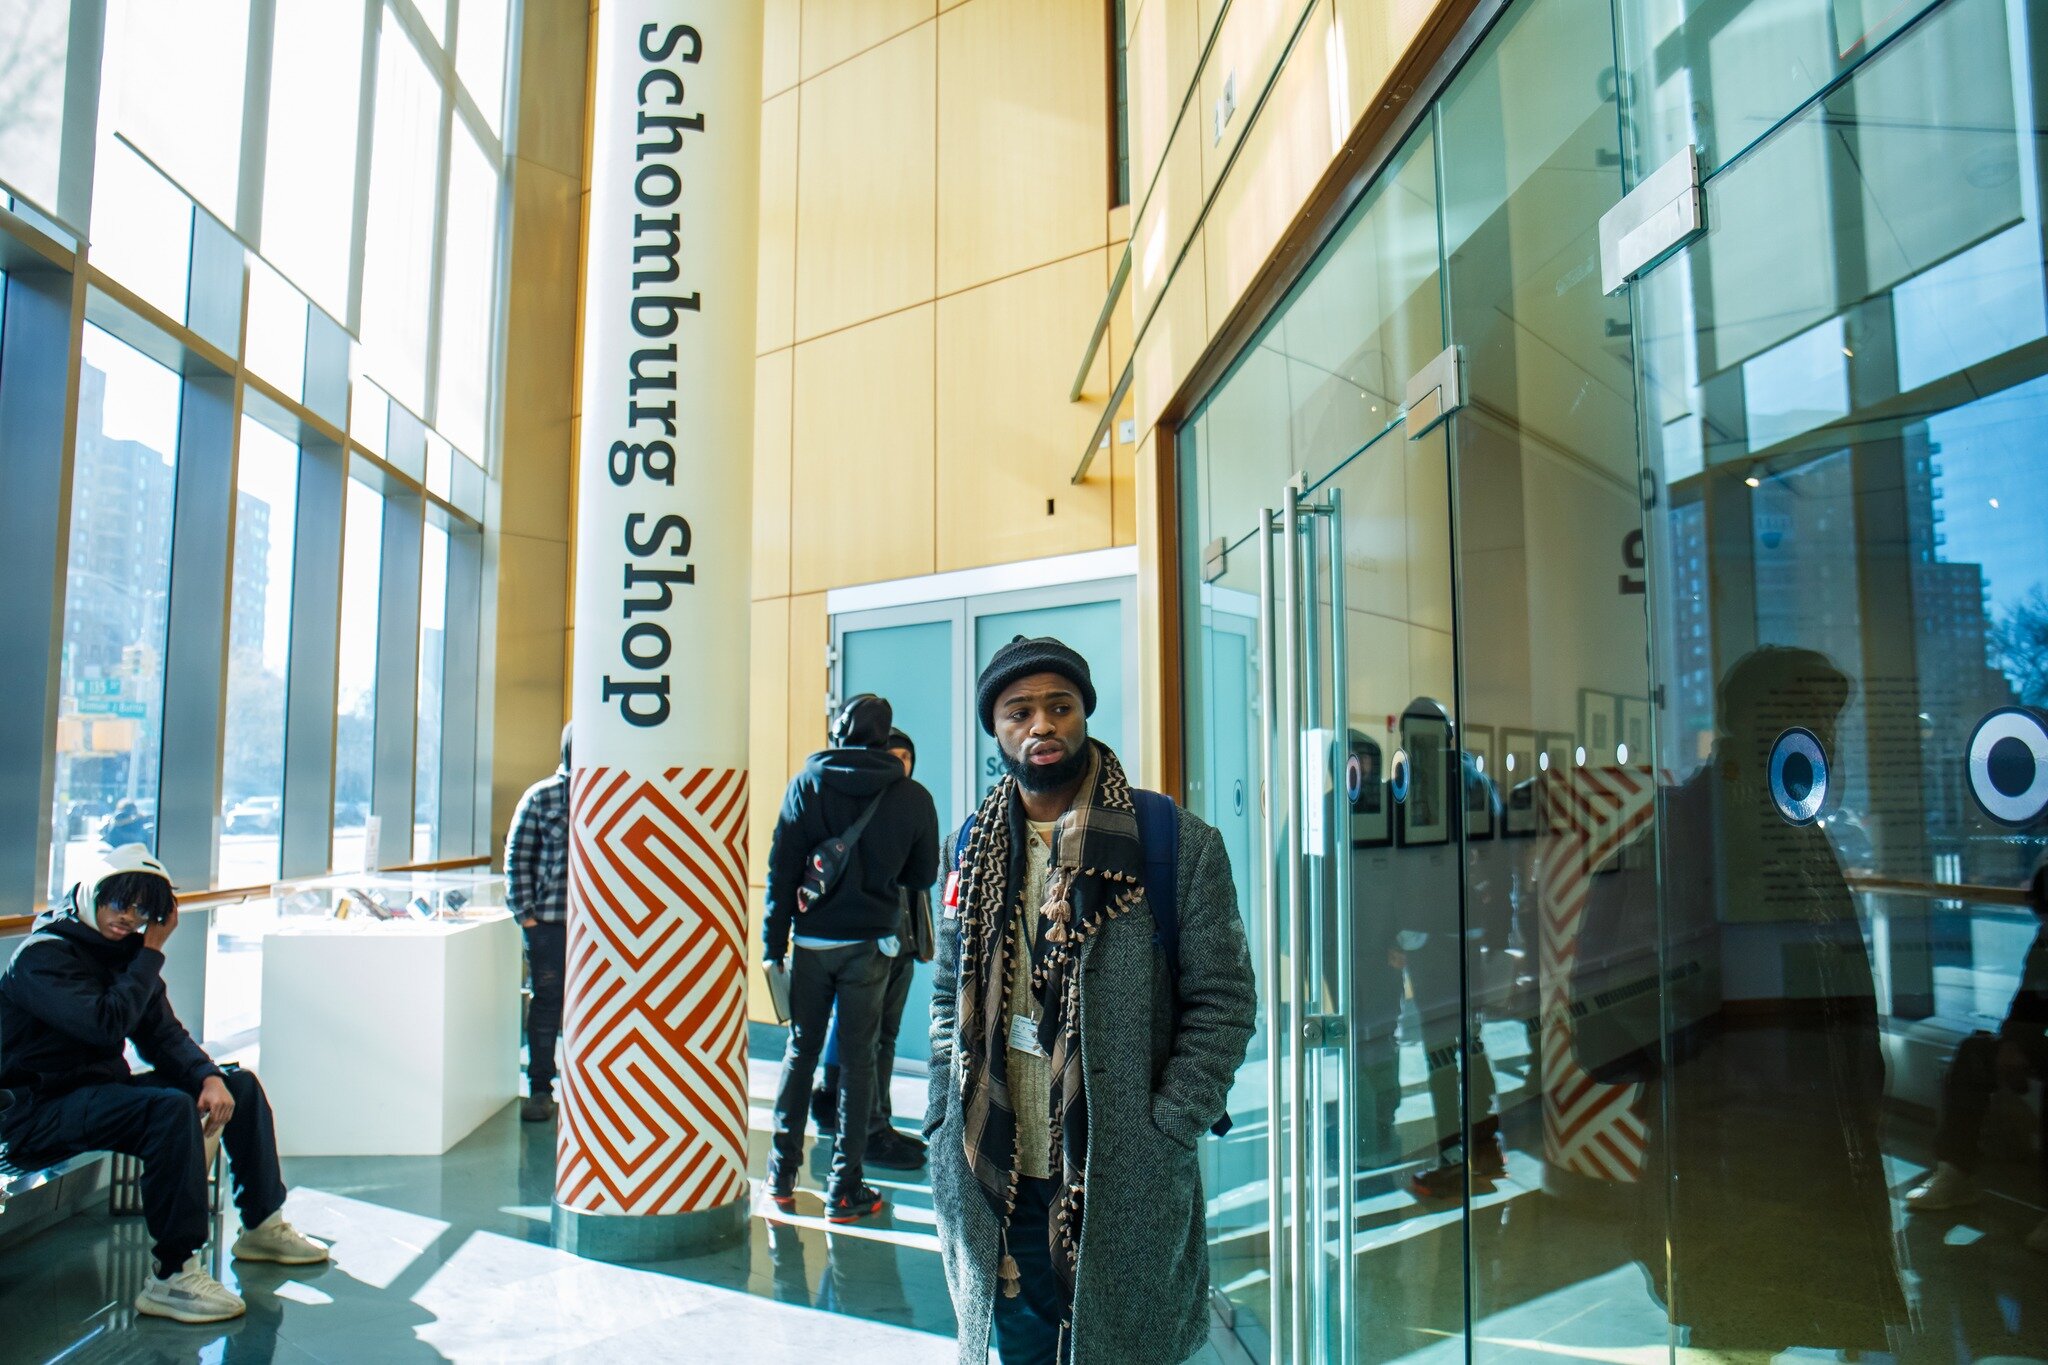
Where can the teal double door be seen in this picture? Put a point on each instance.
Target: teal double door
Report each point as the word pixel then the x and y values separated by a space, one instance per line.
pixel 924 657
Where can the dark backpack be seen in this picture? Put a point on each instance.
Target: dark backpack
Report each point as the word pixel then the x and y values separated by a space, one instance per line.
pixel 1159 837
pixel 826 867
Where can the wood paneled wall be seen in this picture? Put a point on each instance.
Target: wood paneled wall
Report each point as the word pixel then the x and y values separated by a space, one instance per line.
pixel 936 243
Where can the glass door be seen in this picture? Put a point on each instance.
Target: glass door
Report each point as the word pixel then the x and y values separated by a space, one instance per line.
pixel 1845 384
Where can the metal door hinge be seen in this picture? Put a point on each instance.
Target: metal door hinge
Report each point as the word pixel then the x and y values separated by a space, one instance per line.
pixel 1436 391
pixel 1661 214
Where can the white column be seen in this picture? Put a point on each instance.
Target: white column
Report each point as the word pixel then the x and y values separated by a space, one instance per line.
pixel 653 1147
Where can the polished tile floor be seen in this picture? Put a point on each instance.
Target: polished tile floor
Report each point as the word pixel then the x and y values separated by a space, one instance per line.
pixel 448 1259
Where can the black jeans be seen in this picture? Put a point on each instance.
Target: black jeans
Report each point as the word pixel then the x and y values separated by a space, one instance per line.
pixel 1966 1090
pixel 852 979
pixel 547 948
pixel 149 1117
pixel 895 995
pixel 1027 1328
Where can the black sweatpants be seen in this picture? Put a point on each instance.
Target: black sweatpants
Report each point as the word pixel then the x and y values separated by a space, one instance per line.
pixel 895 995
pixel 547 951
pixel 852 978
pixel 149 1117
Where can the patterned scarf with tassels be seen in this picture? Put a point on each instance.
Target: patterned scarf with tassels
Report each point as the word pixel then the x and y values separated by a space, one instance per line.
pixel 1096 875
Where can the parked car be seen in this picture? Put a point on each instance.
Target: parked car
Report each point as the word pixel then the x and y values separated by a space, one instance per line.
pixel 255 815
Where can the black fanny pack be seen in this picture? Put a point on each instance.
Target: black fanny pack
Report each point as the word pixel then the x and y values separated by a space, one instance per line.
pixel 826 867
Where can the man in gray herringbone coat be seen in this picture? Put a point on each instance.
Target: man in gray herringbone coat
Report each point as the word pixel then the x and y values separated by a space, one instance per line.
pixel 1073 1069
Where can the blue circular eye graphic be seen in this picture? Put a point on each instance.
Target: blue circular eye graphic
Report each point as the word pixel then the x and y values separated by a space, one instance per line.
pixel 1799 776
pixel 2007 762
pixel 1398 780
pixel 1354 779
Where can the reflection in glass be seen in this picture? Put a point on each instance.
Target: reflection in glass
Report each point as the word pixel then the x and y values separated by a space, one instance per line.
pixel 259 641
pixel 355 726
pixel 1848 540
pixel 110 686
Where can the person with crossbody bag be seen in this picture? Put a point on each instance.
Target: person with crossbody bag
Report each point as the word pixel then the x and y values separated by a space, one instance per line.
pixel 853 829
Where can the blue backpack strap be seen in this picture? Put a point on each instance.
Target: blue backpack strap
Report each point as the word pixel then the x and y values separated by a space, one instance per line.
pixel 1159 836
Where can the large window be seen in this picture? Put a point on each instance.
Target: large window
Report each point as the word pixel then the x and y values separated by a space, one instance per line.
pixel 116 605
pixel 426 783
pixel 399 252
pixel 310 174
pixel 355 722
pixel 259 641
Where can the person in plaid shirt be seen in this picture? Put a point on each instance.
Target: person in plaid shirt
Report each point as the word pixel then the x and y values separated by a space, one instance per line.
pixel 537 892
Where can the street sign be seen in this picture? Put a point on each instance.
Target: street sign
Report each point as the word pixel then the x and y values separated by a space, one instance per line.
pixel 111 706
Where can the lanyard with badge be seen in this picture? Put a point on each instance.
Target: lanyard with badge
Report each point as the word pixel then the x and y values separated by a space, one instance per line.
pixel 1024 1021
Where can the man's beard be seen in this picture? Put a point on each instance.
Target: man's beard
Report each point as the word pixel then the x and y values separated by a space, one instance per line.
pixel 1033 777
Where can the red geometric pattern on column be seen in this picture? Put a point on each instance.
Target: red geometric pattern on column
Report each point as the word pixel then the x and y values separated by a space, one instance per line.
pixel 654 1079
pixel 1589 1128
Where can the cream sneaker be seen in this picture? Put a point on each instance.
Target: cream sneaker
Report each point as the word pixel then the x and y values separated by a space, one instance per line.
pixel 275 1240
pixel 1947 1188
pixel 191 1295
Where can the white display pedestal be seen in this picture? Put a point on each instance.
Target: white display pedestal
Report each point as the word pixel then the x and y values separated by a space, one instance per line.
pixel 388 1038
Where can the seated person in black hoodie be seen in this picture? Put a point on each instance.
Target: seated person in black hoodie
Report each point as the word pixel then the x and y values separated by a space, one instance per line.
pixel 84 984
pixel 2011 1059
pixel 844 943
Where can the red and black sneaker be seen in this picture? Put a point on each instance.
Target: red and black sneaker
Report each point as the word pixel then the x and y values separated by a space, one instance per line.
pixel 1446 1180
pixel 782 1188
pixel 852 1205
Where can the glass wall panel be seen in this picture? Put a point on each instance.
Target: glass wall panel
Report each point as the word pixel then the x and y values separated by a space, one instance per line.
pixel 116 605
pixel 469 266
pixel 141 228
pixel 274 336
pixel 172 83
pixel 309 173
pixel 37 39
pixel 480 55
pixel 1566 1195
pixel 1849 574
pixel 398 256
pixel 1366 931
pixel 259 643
pixel 426 784
pixel 1722 75
pixel 355 727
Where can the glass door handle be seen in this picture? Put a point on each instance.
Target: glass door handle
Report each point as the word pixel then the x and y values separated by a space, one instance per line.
pixel 1273 999
pixel 1306 1238
pixel 1336 1030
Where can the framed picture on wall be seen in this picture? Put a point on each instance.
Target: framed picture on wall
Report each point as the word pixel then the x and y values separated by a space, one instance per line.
pixel 1475 746
pixel 1556 762
pixel 1518 784
pixel 1424 769
pixel 1365 787
pixel 1635 731
pixel 1599 724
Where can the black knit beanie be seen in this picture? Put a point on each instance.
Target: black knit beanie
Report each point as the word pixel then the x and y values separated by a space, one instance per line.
pixel 862 723
pixel 1020 659
pixel 899 740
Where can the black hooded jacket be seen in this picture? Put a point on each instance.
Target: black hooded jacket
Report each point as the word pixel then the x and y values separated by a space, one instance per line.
pixel 70 1001
pixel 899 848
